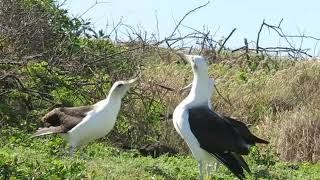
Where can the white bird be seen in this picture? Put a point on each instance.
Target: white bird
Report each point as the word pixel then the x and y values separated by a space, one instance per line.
pixel 81 125
pixel 211 85
pixel 207 134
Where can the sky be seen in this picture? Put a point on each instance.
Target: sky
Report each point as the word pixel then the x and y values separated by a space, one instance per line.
pixel 219 16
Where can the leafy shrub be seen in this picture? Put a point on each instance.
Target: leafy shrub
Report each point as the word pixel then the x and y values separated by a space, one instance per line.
pixel 47 57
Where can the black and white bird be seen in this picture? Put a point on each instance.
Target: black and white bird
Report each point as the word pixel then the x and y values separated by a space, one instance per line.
pixel 211 85
pixel 209 135
pixel 208 164
pixel 81 125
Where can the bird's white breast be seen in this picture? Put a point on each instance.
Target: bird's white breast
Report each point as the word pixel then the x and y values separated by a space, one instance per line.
pixel 182 126
pixel 96 124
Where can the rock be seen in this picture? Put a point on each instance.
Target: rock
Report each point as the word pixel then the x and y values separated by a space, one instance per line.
pixel 156 149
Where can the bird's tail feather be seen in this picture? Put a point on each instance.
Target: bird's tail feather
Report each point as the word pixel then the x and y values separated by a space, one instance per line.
pixel 234 164
pixel 242 162
pixel 262 141
pixel 46 131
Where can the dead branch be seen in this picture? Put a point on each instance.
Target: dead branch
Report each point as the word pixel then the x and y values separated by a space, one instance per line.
pixel 258 37
pixel 5 92
pixel 224 42
pixel 115 27
pixel 291 49
pixel 165 87
pixel 17 80
pixel 225 99
pixel 103 58
pixel 91 7
pixel 187 14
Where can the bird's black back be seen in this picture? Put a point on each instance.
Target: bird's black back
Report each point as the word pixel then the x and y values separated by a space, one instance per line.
pixel 218 136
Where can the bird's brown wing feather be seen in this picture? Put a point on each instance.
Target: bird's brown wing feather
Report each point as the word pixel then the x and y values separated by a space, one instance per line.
pixel 48 130
pixel 69 122
pixel 63 115
pixel 77 111
pixel 52 118
pixel 63 119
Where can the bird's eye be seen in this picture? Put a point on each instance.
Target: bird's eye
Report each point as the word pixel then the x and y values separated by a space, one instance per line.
pixel 119 85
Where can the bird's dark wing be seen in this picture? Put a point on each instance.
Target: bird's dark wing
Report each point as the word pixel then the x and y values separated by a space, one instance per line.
pixel 214 133
pixel 63 119
pixel 52 118
pixel 245 132
pixel 67 122
pixel 219 138
pixel 77 111
pixel 234 162
pixel 59 115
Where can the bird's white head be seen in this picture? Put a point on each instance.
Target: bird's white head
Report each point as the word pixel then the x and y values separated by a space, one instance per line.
pixel 120 88
pixel 198 64
pixel 200 90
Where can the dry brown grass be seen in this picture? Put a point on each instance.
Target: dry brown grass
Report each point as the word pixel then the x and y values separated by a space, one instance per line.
pixel 171 138
pixel 175 76
pixel 170 75
pixel 246 100
pixel 295 86
pixel 299 135
pixel 289 97
pixel 294 124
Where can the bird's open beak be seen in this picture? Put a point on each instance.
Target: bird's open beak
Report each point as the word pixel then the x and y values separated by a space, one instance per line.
pixel 185 57
pixel 131 81
pixel 188 58
pixel 134 80
pixel 188 87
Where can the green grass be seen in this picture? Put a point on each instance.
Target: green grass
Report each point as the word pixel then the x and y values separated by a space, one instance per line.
pixel 278 97
pixel 44 158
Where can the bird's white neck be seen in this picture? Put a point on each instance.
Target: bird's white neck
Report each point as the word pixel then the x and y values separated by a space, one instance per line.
pixel 114 98
pixel 112 101
pixel 200 90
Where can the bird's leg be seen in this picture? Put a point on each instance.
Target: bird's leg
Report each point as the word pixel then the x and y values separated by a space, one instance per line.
pixel 83 155
pixel 216 166
pixel 200 169
pixel 208 168
pixel 64 152
pixel 71 150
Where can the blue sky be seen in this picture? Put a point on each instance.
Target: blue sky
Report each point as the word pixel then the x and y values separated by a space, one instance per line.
pixel 220 16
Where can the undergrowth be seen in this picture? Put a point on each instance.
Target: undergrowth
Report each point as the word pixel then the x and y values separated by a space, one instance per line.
pixel 43 158
pixel 68 63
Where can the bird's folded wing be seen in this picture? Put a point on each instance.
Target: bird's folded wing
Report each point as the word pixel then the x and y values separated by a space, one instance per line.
pixel 244 131
pixel 57 116
pixel 77 111
pixel 214 133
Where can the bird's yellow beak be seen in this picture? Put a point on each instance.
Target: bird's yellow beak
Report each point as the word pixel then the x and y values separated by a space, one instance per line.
pixel 185 57
pixel 131 81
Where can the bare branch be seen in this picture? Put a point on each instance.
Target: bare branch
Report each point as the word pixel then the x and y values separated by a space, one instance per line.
pixel 258 37
pixel 191 11
pixel 225 99
pixel 91 7
pixel 224 42
pixel 157 25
